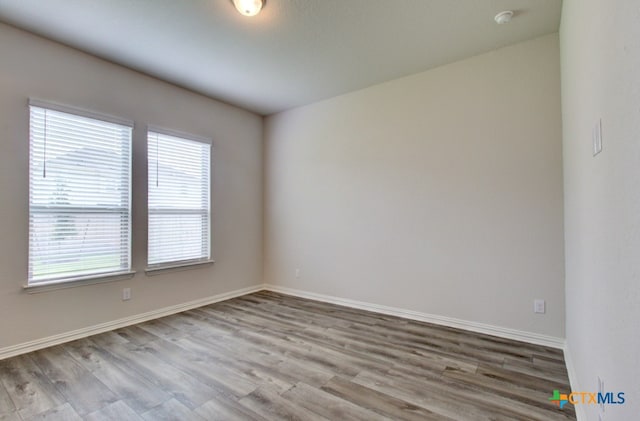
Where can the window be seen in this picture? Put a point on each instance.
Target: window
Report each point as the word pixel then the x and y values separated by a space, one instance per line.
pixel 179 206
pixel 79 195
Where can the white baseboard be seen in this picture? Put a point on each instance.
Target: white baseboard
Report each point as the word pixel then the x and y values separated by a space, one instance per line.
pixel 37 344
pixel 503 332
pixel 573 381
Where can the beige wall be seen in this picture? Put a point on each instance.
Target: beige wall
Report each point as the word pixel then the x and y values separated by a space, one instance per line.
pixel 440 192
pixel 33 67
pixel 600 46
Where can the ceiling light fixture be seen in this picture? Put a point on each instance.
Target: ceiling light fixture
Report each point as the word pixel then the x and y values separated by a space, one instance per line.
pixel 248 7
pixel 504 17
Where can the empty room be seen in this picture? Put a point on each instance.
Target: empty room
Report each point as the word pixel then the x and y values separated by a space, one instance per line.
pixel 319 210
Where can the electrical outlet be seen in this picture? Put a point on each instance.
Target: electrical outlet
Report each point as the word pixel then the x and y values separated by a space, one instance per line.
pixel 126 294
pixel 297 273
pixel 539 306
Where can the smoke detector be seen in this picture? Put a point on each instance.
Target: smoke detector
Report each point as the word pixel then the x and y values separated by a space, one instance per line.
pixel 504 17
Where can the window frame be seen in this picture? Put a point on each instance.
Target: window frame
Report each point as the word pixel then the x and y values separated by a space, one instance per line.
pixel 185 264
pixel 70 279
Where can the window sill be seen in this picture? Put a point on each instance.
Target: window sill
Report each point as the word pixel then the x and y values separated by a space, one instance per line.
pixel 157 270
pixel 79 281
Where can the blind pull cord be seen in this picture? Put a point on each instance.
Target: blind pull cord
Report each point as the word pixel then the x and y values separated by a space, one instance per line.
pixel 157 163
pixel 44 164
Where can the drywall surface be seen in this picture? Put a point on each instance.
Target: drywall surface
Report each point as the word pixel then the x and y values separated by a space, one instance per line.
pixel 600 50
pixel 32 67
pixel 439 193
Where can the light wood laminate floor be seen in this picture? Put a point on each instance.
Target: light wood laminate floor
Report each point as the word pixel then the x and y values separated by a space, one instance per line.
pixel 275 357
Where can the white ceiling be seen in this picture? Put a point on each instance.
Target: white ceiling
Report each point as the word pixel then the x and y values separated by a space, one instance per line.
pixel 295 52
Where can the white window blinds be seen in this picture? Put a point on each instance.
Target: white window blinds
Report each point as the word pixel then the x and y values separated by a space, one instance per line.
pixel 79 196
pixel 179 207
